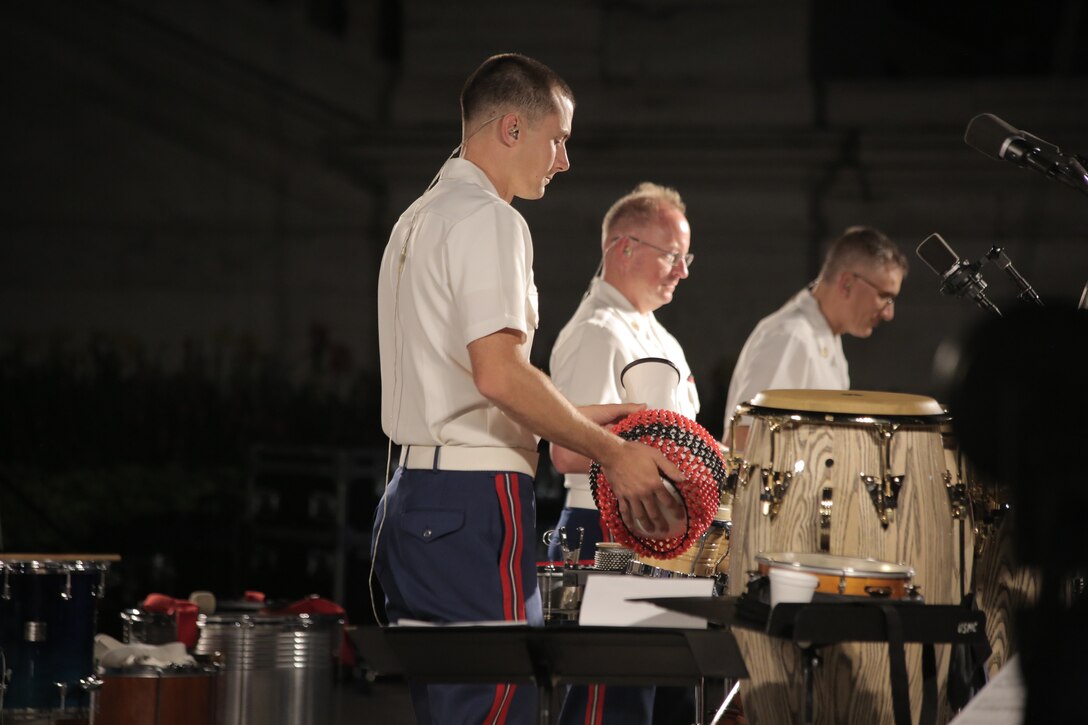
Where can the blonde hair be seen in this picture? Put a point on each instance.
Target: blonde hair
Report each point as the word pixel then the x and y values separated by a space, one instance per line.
pixel 643 205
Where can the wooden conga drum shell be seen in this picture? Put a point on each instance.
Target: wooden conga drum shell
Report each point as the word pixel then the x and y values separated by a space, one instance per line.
pixel 826 441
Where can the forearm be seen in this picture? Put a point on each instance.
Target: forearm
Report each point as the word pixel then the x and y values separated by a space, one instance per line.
pixel 567 461
pixel 528 396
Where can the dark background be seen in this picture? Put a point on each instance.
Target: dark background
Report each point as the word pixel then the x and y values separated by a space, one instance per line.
pixel 197 195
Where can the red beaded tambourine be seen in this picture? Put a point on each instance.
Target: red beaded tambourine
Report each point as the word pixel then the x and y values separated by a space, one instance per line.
pixel 689 447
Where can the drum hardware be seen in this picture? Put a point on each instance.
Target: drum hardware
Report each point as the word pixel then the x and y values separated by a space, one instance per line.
pixel 825 519
pixel 884 491
pixel 987 525
pixel 62 693
pixel 34 631
pixel 736 468
pixel 775 483
pixel 957 496
pixel 7 583
pixel 728 526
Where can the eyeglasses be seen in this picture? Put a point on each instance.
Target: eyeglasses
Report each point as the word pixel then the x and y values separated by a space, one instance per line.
pixel 673 258
pixel 887 299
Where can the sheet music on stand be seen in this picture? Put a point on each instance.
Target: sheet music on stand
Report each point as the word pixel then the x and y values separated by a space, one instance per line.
pixel 1000 702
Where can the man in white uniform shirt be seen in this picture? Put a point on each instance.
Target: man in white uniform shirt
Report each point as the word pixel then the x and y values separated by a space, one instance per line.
pixel 645 242
pixel 454 535
pixel 800 345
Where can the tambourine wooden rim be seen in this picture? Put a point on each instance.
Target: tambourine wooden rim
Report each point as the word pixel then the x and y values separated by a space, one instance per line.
pixel 847 406
pixel 848 566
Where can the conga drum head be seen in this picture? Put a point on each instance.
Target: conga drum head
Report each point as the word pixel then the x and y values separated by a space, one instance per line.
pixel 849 402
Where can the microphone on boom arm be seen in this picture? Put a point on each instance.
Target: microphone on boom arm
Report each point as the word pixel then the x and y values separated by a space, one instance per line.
pixel 995 138
pixel 959 278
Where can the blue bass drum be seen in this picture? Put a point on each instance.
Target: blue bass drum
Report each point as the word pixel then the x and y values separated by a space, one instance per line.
pixel 48 610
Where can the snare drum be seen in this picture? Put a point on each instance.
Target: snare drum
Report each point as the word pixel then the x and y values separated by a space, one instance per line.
pixel 847 473
pixel 846 575
pixel 48 609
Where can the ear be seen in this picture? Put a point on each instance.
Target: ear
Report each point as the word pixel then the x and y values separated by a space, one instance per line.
pixel 509 129
pixel 844 283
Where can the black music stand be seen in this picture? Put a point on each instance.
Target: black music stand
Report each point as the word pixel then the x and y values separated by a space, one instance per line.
pixel 851 619
pixel 552 656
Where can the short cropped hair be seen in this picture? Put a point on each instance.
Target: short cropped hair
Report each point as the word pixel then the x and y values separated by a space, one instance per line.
pixel 866 246
pixel 509 82
pixel 643 205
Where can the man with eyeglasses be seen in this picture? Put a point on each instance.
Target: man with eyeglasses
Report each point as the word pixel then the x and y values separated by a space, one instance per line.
pixel 800 345
pixel 645 239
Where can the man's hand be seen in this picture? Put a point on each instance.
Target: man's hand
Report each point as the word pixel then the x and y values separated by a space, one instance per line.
pixel 610 413
pixel 634 471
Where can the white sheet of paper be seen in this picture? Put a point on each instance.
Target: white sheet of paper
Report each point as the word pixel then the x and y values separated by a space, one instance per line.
pixel 1000 702
pixel 604 601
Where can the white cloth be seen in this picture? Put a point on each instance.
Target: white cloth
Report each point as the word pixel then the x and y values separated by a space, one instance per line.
pixel 792 348
pixel 604 335
pixel 109 653
pixel 458 267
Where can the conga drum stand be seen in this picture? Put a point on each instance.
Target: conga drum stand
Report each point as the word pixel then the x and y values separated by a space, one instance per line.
pixel 811 626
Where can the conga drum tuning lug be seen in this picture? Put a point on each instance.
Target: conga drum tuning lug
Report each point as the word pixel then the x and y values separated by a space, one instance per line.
pixel 825 519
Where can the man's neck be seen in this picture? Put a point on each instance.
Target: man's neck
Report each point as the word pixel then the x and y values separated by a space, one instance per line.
pixel 488 163
pixel 822 294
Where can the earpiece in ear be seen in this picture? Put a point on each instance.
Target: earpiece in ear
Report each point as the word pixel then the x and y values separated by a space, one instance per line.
pixel 514 132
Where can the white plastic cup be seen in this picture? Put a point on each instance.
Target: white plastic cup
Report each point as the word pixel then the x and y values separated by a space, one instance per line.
pixel 792 586
pixel 653 381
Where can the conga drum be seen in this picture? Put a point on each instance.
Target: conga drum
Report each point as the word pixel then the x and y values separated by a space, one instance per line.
pixel 845 473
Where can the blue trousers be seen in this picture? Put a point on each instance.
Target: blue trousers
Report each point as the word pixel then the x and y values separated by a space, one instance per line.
pixel 460 546
pixel 598 704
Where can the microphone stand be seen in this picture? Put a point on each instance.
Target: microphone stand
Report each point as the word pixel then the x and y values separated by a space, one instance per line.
pixel 997 256
pixel 979 296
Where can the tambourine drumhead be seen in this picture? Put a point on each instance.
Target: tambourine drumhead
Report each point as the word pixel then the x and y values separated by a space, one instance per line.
pixel 838 565
pixel 857 402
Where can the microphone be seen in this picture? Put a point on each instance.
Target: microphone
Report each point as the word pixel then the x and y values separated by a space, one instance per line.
pixel 958 278
pixel 995 138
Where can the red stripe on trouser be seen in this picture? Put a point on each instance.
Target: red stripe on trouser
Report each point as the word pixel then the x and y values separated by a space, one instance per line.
pixel 594 705
pixel 513 595
pixel 500 706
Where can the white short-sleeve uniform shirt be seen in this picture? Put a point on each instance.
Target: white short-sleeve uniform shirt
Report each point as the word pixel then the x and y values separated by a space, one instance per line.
pixel 604 335
pixel 458 267
pixel 792 348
